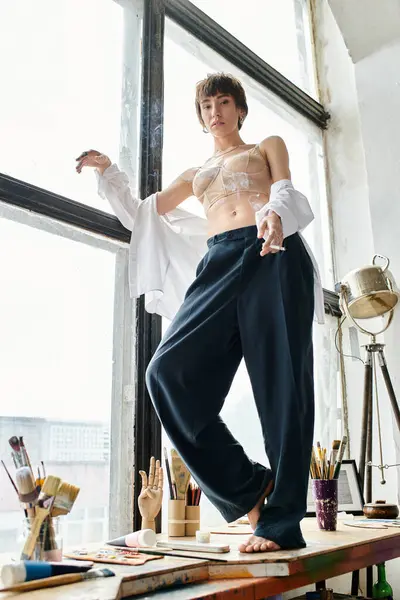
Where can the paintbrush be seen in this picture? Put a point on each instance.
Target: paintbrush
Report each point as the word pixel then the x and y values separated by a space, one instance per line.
pixel 181 475
pixel 167 468
pixel 38 584
pixel 313 466
pixel 322 462
pixel 29 511
pixel 334 453
pixel 16 465
pixel 17 454
pixel 42 510
pixel 180 554
pixel 319 453
pixel 64 500
pixel 27 491
pixel 25 483
pixel 10 478
pixel 39 481
pixel 316 466
pixel 25 453
pixel 340 455
pixel 317 463
pixel 62 505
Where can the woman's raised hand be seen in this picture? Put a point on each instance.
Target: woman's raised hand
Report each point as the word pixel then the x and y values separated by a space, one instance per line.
pixel 93 158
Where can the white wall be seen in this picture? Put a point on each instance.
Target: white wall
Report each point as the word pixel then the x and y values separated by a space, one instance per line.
pixel 378 85
pixel 367 25
pixel 360 86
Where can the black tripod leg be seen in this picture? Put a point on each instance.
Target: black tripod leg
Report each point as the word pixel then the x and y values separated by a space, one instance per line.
pixel 389 387
pixel 368 468
pixel 369 582
pixel 368 475
pixel 355 583
pixel 367 408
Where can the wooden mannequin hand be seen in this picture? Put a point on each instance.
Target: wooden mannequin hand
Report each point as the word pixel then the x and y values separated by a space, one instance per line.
pixel 150 497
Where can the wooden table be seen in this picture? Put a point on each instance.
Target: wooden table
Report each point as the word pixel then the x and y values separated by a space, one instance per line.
pixel 244 576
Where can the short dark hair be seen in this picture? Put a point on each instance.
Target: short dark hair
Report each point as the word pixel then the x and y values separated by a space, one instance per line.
pixel 220 83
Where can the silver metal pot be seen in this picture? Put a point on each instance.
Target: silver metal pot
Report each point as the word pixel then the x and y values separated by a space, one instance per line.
pixel 369 291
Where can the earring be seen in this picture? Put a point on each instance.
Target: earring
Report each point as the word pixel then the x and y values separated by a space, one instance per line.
pixel 205 130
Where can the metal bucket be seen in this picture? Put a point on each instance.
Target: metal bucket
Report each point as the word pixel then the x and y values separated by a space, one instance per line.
pixel 369 291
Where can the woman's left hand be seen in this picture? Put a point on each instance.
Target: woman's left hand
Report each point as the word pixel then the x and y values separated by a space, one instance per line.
pixel 272 225
pixel 93 158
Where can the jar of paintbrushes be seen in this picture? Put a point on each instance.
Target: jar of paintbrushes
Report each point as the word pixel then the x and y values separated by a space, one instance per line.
pixel 325 472
pixel 44 538
pixel 184 500
pixel 44 500
pixel 49 542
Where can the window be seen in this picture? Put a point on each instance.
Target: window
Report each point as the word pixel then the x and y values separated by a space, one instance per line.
pixel 267 116
pixel 278 32
pixel 61 91
pixel 186 61
pixel 56 319
pixel 65 314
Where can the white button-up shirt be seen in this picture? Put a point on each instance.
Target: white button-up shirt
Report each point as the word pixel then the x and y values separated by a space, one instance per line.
pixel 165 249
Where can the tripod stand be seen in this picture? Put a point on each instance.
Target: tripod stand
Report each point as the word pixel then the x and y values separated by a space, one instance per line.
pixel 365 463
pixel 366 293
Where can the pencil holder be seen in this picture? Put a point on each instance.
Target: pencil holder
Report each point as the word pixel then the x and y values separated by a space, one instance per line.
pixel 192 517
pixel 176 518
pixel 325 493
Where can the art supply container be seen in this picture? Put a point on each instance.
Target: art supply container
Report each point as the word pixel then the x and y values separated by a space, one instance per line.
pixel 176 518
pixel 325 494
pixel 192 517
pixel 49 543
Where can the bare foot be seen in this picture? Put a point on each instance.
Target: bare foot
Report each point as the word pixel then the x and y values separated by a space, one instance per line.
pixel 258 544
pixel 254 514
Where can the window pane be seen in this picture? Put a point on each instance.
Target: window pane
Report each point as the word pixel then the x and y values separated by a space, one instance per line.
pixel 61 72
pixel 267 116
pixel 277 31
pixel 185 145
pixel 56 323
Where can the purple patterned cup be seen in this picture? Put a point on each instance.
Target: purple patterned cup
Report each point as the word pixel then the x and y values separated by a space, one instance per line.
pixel 326 504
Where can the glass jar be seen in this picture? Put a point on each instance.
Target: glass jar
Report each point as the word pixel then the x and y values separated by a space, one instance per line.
pixel 49 543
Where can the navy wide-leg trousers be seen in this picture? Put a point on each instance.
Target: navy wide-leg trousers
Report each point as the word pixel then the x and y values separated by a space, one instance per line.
pixel 261 308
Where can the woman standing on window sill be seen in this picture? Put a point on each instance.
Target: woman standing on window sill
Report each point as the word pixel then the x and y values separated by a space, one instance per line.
pixel 252 296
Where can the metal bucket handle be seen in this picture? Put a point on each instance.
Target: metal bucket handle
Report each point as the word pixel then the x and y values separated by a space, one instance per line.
pixel 385 258
pixel 389 282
